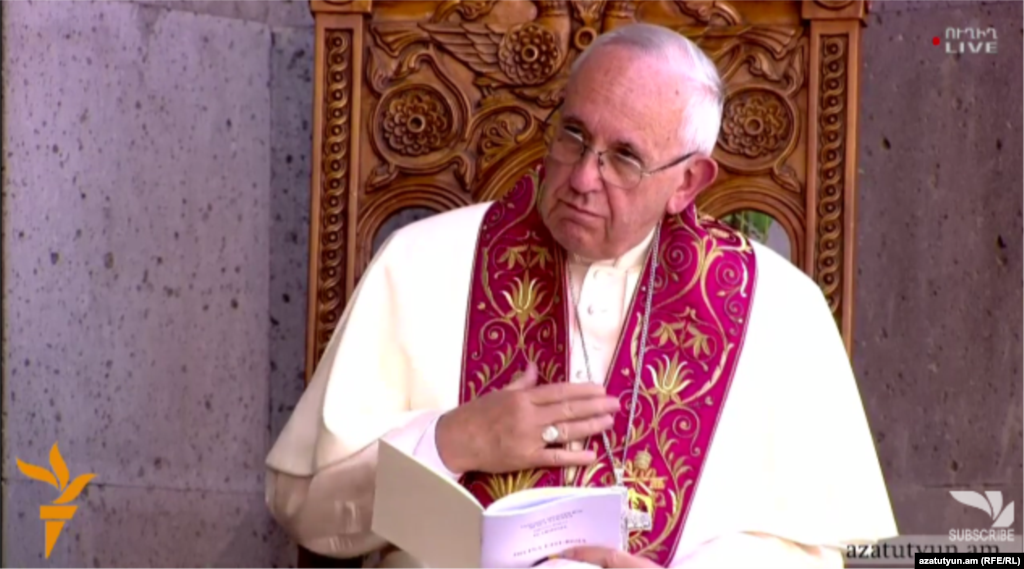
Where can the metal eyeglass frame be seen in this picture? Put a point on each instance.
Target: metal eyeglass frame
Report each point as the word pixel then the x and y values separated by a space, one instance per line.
pixel 644 173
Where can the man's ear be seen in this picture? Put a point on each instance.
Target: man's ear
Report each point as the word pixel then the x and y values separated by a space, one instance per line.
pixel 700 172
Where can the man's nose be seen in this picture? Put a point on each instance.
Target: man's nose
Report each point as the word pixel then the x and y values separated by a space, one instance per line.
pixel 586 174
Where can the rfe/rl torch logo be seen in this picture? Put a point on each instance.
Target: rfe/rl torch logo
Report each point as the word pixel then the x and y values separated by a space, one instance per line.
pixel 58 513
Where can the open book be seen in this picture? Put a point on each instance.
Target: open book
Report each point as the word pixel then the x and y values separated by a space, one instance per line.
pixel 433 518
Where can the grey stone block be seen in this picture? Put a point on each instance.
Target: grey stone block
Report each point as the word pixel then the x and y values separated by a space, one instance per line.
pixel 257 11
pixel 291 123
pixel 938 289
pixel 135 228
pixel 894 6
pixel 290 13
pixel 119 526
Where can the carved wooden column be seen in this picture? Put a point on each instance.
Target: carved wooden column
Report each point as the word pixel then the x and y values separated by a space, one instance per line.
pixel 833 89
pixel 338 67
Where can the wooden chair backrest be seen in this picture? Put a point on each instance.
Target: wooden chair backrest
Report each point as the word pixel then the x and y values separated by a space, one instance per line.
pixel 433 105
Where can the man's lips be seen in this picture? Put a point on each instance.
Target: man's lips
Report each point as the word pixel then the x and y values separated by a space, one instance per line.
pixel 578 210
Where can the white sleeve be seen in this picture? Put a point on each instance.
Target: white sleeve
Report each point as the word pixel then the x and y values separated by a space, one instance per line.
pixel 760 551
pixel 426 449
pixel 321 470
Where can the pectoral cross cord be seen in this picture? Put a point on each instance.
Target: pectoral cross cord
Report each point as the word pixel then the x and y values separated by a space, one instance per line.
pixel 632 519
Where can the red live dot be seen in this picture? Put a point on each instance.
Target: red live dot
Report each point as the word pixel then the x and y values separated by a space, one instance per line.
pixel 936 40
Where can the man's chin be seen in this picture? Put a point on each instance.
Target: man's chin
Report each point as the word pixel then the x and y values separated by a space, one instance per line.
pixel 574 239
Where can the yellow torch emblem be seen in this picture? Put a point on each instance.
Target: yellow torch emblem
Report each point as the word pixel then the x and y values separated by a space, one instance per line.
pixel 58 513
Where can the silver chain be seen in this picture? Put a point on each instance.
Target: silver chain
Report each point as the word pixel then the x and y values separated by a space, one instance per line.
pixel 619 471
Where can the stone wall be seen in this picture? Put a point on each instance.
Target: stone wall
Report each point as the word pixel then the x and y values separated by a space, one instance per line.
pixel 156 189
pixel 938 291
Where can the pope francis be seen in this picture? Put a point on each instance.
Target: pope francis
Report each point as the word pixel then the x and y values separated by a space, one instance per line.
pixel 591 328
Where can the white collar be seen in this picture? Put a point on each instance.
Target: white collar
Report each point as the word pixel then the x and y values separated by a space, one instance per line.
pixel 632 259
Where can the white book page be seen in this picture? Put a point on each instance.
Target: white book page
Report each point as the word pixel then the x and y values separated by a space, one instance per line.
pixel 535 496
pixel 425 513
pixel 519 537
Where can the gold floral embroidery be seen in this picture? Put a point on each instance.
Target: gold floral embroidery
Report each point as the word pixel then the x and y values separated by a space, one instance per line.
pixel 669 377
pixel 501 485
pixel 702 296
pixel 526 294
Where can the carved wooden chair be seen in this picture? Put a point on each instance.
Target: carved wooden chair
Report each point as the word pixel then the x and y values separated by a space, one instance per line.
pixel 426 106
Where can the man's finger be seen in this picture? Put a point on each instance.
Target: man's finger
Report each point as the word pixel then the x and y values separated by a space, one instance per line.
pixel 556 392
pixel 579 430
pixel 553 457
pixel 605 557
pixel 602 557
pixel 576 409
pixel 525 380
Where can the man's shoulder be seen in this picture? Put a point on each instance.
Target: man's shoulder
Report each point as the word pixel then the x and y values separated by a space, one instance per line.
pixel 791 327
pixel 457 224
pixel 443 237
pixel 782 284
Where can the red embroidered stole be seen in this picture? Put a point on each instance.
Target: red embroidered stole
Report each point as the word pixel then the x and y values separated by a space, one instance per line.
pixel 518 312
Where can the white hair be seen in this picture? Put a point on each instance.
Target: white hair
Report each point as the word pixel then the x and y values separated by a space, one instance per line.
pixel 702 116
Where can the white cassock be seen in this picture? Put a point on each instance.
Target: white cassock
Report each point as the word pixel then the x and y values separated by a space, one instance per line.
pixel 791 477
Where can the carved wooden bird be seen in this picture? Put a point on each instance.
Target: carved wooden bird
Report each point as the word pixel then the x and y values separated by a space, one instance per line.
pixel 524 55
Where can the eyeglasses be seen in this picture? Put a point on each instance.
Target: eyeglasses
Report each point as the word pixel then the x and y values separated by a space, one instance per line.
pixel 567 145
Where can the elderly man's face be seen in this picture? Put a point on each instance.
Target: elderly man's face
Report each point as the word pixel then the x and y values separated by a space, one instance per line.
pixel 622 102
